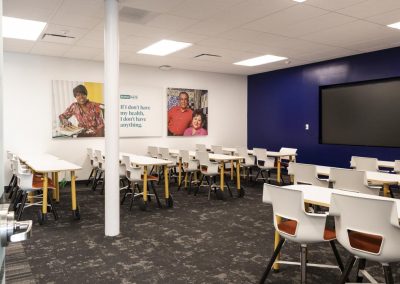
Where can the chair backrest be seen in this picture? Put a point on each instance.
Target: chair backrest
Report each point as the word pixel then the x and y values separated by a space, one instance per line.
pixel 100 159
pixel 396 166
pixel 289 151
pixel 189 164
pixel 216 149
pixel 9 155
pixel 352 180
pixel 242 152
pixel 289 205
pixel 201 147
pixel 164 153
pixel 152 151
pixel 262 158
pixel 89 152
pixel 203 158
pixel 306 174
pixel 371 219
pixel 204 161
pixel 25 180
pixel 365 164
pixel 132 173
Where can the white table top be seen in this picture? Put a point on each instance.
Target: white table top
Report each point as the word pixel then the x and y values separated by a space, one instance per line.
pixel 145 160
pixel 216 157
pixel 51 165
pixel 322 195
pixel 381 164
pixel 37 156
pixel 375 177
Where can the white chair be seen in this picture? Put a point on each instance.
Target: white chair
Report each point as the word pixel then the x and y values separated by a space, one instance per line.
pixel 101 169
pixel 366 164
pixel 216 149
pixel 165 155
pixel 264 163
pixel 208 170
pixel 152 151
pixel 306 174
pixel 396 168
pixel 248 161
pixel 368 227
pixel 297 225
pixel 201 148
pixel 94 164
pixel 29 183
pixel 189 166
pixel 351 180
pixel 134 174
pixel 291 157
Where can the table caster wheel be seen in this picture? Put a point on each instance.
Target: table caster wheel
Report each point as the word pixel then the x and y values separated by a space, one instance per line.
pixel 241 192
pixel 142 205
pixel 219 193
pixel 76 214
pixel 169 202
pixel 42 217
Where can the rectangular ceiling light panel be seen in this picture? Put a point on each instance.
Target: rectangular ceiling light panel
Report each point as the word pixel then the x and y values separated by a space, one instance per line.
pixel 395 25
pixel 164 47
pixel 260 60
pixel 22 29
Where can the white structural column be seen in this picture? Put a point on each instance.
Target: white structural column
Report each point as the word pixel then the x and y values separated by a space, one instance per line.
pixel 111 99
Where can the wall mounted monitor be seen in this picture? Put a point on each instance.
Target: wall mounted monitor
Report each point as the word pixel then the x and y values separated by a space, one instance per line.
pixel 363 113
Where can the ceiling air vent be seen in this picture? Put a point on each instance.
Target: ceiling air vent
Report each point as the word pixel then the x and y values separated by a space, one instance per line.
pixel 206 55
pixel 136 16
pixel 58 38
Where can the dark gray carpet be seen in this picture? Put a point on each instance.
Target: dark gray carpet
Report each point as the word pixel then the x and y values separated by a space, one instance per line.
pixel 198 241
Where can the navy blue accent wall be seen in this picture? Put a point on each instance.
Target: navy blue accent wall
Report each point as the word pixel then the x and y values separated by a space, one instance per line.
pixel 281 102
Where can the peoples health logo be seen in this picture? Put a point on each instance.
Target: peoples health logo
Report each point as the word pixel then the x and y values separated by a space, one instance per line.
pixel 128 97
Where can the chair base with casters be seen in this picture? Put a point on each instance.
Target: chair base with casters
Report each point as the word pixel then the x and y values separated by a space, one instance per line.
pixel 136 192
pixel 212 185
pixel 189 178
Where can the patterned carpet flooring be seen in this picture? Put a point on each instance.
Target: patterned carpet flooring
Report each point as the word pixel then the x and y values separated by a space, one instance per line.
pixel 197 241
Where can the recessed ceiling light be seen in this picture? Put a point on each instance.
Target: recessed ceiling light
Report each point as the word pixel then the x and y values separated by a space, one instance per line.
pixel 164 47
pixel 22 29
pixel 260 60
pixel 395 25
pixel 299 1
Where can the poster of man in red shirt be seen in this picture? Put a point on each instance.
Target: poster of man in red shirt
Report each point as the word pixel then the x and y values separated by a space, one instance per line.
pixel 187 112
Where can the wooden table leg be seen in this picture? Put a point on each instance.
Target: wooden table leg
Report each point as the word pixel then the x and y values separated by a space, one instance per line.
pixel 179 171
pixel 276 242
pixel 166 182
pixel 231 169
pixel 45 191
pixel 278 170
pixel 145 184
pixel 222 175
pixel 73 190
pixel 54 195
pixel 291 159
pixel 386 190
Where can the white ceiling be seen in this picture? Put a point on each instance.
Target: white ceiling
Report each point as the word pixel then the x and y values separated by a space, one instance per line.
pixel 307 32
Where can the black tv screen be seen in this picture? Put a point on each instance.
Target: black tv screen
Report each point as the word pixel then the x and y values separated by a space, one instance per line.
pixel 364 113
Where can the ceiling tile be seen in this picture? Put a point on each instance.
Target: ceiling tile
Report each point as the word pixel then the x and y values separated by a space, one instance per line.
pixel 162 6
pixel 386 18
pixel 82 52
pixel 39 10
pixel 171 22
pixel 284 18
pixel 371 8
pixel 332 5
pixel 17 45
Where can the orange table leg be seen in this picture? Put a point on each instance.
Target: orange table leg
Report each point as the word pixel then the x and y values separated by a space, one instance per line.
pixel 222 175
pixel 45 191
pixel 278 170
pixel 145 184
pixel 73 190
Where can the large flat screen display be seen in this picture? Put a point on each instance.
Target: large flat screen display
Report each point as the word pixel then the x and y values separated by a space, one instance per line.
pixel 364 113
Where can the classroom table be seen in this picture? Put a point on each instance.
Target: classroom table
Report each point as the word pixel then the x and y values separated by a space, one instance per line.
pixel 222 159
pixel 278 158
pixel 46 164
pixel 146 161
pixel 381 164
pixel 375 178
pixel 315 195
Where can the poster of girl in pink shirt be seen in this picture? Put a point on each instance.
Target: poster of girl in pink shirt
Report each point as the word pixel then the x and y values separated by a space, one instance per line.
pixel 187 112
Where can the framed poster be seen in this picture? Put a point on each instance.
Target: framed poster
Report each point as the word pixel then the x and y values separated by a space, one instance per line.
pixel 141 112
pixel 78 109
pixel 187 112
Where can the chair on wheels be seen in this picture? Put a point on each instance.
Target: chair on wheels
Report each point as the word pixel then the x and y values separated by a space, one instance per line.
pixel 209 171
pixel 201 148
pixel 306 174
pixel 190 168
pixel 264 163
pixel 351 180
pixel 165 155
pixel 135 177
pixel 101 169
pixel 368 227
pixel 297 225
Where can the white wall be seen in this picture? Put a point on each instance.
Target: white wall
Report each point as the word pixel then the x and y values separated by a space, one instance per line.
pixel 27 105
